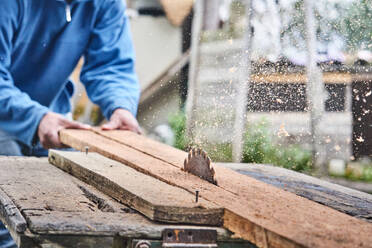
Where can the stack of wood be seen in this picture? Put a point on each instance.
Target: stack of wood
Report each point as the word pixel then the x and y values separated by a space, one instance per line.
pixel 148 176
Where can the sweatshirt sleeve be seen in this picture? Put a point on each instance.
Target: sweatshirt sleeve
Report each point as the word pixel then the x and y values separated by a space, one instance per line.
pixel 108 73
pixel 19 114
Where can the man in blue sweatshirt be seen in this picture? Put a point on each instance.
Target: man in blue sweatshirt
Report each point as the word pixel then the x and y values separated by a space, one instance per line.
pixel 41 41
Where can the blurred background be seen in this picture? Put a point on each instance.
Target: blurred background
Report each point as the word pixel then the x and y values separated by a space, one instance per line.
pixel 281 82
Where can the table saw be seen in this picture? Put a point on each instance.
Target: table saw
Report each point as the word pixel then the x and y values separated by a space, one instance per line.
pixel 43 206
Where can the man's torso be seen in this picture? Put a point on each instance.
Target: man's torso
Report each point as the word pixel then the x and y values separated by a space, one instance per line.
pixel 47 45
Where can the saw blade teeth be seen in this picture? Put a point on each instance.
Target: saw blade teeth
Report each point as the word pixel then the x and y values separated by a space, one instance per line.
pixel 193 151
pixel 198 163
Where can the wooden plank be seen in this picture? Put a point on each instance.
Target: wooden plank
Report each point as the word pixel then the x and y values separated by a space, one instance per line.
pixel 56 203
pixel 357 185
pixel 31 240
pixel 340 198
pixel 13 218
pixel 345 200
pixel 255 211
pixel 175 157
pixel 128 225
pixel 153 198
pixel 158 150
pixel 34 184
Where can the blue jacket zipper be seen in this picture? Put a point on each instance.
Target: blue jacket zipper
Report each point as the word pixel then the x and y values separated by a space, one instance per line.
pixel 68 13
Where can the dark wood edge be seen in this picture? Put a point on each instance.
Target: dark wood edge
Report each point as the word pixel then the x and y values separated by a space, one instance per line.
pixel 10 214
pixel 34 240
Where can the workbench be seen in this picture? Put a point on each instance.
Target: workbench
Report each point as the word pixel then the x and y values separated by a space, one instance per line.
pixel 43 206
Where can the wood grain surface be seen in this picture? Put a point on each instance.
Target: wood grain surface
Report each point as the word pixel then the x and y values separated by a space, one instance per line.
pixel 343 199
pixel 55 203
pixel 11 215
pixel 155 199
pixel 346 200
pixel 255 211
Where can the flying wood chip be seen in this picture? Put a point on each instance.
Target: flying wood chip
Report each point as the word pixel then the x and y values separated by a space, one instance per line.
pixel 199 164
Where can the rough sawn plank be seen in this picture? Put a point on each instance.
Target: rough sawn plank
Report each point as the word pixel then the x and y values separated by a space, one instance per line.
pixel 255 211
pixel 351 202
pixel 155 199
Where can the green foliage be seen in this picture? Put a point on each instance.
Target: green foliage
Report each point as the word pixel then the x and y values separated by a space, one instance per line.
pixel 350 20
pixel 358 25
pixel 367 174
pixel 257 144
pixel 359 171
pixel 221 152
pixel 292 157
pixel 178 124
pixel 259 147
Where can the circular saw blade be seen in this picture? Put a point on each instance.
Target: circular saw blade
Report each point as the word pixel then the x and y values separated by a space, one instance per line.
pixel 199 164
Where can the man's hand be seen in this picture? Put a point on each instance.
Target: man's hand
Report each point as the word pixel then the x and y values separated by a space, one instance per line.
pixel 124 120
pixel 49 128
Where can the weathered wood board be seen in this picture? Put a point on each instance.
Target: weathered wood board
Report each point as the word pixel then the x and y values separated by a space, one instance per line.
pixel 346 200
pixel 12 215
pixel 145 145
pixel 59 206
pixel 155 199
pixel 255 211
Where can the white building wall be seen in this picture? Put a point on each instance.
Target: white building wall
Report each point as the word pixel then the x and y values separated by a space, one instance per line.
pixel 157 45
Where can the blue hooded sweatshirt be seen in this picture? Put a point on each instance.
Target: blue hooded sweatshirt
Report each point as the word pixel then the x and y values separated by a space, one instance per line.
pixel 41 41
